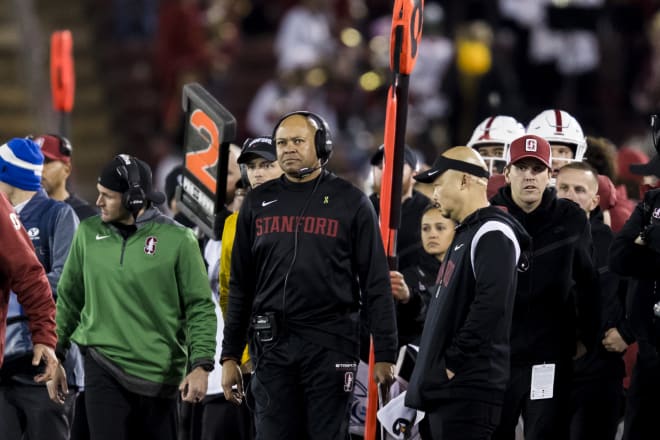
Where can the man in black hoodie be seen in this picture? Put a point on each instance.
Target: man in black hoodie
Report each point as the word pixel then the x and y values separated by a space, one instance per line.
pixel 556 307
pixel 463 364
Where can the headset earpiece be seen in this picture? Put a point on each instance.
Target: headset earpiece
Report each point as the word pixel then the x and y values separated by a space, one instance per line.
pixel 134 198
pixel 65 145
pixel 322 137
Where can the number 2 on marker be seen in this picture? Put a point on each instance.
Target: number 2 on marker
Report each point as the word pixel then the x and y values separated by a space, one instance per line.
pixel 199 162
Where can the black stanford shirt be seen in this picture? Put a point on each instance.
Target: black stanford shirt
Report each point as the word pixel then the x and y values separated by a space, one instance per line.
pixel 312 253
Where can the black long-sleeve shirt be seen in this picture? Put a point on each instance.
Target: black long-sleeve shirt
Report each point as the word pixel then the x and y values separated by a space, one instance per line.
pixel 557 296
pixel 316 276
pixel 598 362
pixel 640 263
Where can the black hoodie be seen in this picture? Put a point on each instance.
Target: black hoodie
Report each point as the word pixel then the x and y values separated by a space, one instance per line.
pixel 469 320
pixel 557 297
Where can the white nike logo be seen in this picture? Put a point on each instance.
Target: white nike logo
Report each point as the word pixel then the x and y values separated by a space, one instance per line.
pixel 101 237
pixel 432 173
pixel 458 246
pixel 268 203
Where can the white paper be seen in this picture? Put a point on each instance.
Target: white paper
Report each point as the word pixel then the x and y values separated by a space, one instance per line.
pixel 543 381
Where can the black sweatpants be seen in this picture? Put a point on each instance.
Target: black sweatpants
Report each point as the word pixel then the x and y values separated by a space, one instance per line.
pixel 543 419
pixel 79 426
pixel 27 412
pixel 643 400
pixel 463 420
pixel 115 413
pixel 596 408
pixel 222 419
pixel 301 390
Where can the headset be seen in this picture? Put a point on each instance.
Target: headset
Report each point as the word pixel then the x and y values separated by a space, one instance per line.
pixel 322 137
pixel 65 145
pixel 134 198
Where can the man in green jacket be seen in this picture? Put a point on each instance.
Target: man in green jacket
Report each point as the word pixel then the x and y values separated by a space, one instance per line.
pixel 134 295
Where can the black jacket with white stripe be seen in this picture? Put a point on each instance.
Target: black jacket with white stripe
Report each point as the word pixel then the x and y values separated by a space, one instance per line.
pixel 469 320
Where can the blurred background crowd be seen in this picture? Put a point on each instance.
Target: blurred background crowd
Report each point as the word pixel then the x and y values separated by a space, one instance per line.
pixel 597 59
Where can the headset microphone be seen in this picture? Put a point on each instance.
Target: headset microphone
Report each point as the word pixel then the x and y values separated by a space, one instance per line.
pixel 304 172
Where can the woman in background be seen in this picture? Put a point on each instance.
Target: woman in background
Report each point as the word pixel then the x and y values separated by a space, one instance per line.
pixel 413 288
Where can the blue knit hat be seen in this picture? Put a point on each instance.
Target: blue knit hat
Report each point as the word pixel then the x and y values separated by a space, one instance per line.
pixel 21 163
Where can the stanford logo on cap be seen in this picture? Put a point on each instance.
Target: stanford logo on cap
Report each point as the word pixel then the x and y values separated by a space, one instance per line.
pixel 150 245
pixel 531 145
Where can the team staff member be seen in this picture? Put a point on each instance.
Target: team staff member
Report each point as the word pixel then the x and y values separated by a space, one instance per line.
pixel 220 417
pixel 597 396
pixel 635 253
pixel 259 158
pixel 556 302
pixel 57 152
pixel 307 254
pixel 463 363
pixel 22 273
pixel 134 293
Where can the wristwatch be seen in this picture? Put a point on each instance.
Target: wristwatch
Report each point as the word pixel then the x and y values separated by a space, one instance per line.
pixel 206 365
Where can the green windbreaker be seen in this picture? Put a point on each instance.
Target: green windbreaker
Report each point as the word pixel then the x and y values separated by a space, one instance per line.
pixel 144 302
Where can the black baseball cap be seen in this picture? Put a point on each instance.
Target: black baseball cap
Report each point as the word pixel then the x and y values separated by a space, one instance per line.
pixel 409 156
pixel 260 147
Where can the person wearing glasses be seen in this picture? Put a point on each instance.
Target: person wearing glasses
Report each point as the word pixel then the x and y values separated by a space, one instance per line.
pixel 57 169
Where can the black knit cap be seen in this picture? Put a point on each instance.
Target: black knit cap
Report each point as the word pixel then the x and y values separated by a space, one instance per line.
pixel 111 178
